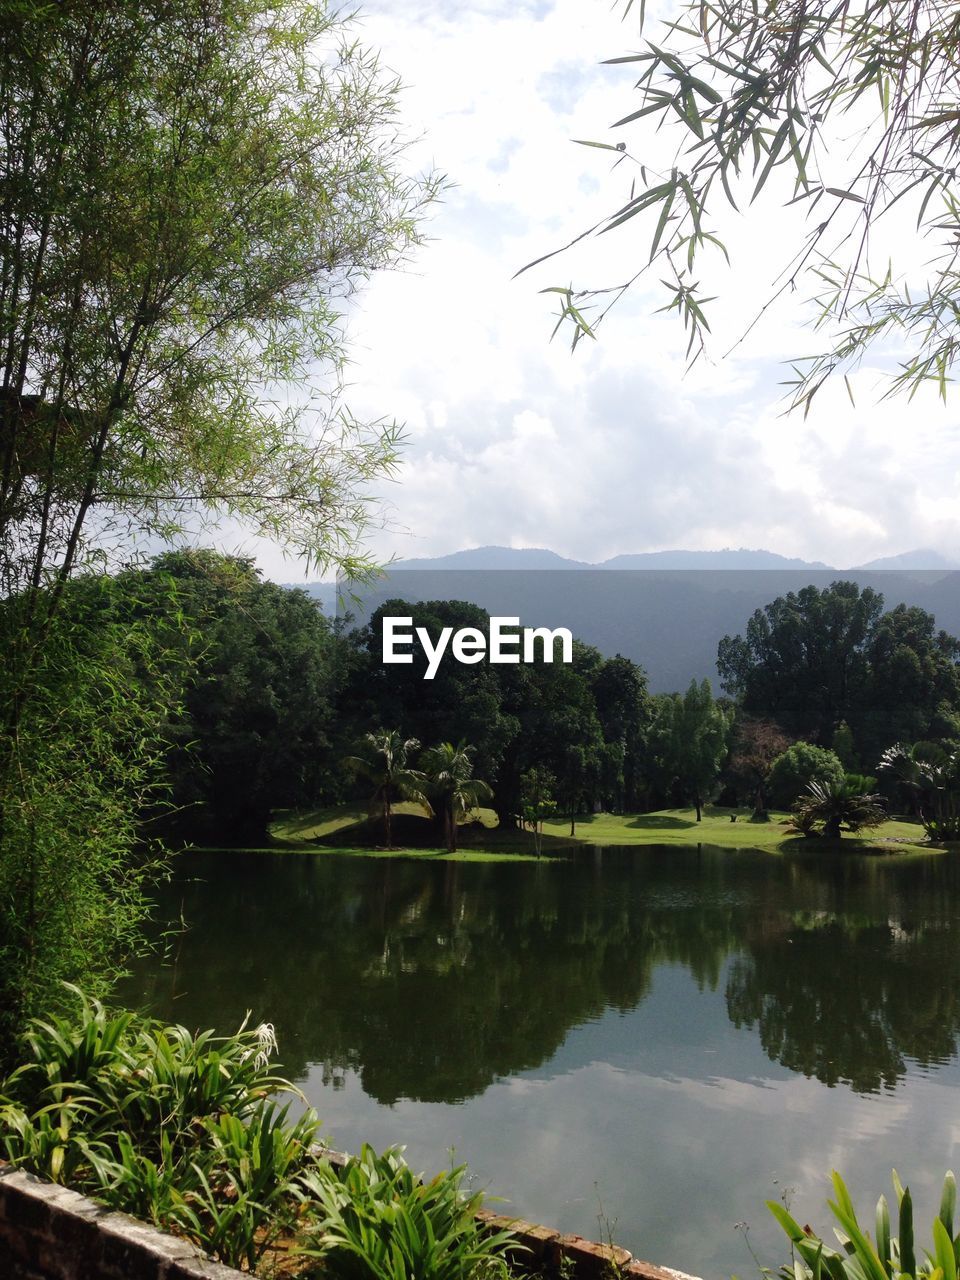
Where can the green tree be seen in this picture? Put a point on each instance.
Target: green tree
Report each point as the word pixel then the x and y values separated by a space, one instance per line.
pixel 818 658
pixel 574 782
pixel 189 194
pixel 796 768
pixel 559 730
pixel 803 658
pixel 584 721
pixel 385 763
pixel 257 725
pixel 914 686
pixel 461 702
pixel 452 786
pixel 690 739
pixel 619 689
pixel 745 92
pixel 76 859
pixel 537 802
pixel 842 745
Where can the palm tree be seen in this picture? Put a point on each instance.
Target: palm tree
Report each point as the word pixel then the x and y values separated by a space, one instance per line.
pixel 851 803
pixel 450 781
pixel 932 774
pixel 384 763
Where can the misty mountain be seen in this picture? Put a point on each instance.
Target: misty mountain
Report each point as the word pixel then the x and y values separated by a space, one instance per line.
pixel 666 610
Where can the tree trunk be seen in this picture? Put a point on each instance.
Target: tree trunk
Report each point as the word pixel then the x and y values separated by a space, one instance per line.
pixel 573 825
pixel 451 829
pixel 759 805
pixel 831 828
pixel 697 805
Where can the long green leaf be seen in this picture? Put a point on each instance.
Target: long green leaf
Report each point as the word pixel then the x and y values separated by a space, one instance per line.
pixel 948 1202
pixel 943 1250
pixel 908 1261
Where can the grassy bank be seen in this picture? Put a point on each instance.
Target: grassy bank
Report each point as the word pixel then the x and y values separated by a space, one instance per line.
pixel 338 831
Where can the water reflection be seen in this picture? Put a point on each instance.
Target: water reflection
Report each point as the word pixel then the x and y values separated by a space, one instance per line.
pixel 432 980
pixel 689 1031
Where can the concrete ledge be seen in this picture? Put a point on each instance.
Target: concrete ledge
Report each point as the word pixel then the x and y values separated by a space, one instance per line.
pixel 593 1261
pixel 48 1232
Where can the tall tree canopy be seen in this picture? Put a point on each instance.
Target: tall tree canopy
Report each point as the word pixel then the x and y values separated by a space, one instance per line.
pixel 255 729
pixel 818 658
pixel 585 722
pixel 853 107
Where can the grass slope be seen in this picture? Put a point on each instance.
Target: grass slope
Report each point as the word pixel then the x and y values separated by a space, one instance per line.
pixel 485 842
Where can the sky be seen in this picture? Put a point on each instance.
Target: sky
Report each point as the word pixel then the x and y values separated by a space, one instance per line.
pixel 511 438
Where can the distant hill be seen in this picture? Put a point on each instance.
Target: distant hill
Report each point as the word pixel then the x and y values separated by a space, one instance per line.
pixel 922 560
pixel 494 558
pixel 539 558
pixel 726 559
pixel 666 610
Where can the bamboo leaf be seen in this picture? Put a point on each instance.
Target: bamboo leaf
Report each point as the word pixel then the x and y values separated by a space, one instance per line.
pixel 844 195
pixel 775 148
pixel 601 146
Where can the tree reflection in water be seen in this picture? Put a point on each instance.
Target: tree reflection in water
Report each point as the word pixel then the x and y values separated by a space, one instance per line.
pixel 433 979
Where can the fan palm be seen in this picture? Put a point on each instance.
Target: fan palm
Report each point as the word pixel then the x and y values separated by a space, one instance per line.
pixel 852 803
pixel 450 781
pixel 384 761
pixel 932 774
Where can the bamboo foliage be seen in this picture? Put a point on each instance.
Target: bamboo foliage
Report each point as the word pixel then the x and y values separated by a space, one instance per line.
pixel 187 194
pixel 746 89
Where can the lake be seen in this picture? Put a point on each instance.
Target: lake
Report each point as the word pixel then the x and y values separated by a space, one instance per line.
pixel 663 1038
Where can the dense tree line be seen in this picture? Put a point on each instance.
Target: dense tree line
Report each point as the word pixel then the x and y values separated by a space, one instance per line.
pixel 280 698
pixel 585 722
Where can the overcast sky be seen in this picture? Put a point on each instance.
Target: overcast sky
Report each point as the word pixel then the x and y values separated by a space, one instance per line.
pixel 514 440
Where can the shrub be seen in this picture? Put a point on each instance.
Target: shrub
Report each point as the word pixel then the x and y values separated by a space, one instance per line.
pixel 793 771
pixel 851 803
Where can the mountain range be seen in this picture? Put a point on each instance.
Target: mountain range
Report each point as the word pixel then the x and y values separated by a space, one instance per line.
pixel 666 610
pixel 742 558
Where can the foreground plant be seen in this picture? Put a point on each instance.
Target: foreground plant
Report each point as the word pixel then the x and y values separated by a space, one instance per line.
pixel 182 1130
pixel 380 1221
pixel 886 1257
pixel 185 1131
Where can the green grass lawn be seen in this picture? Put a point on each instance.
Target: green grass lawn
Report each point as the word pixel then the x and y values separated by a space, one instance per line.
pixel 485 842
pixel 324 822
pixel 680 826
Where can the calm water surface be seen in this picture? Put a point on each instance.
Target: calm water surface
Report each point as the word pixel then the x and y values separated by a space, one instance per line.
pixel 675 1034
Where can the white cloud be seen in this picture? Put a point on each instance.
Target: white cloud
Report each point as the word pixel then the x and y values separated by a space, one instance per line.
pixel 514 440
